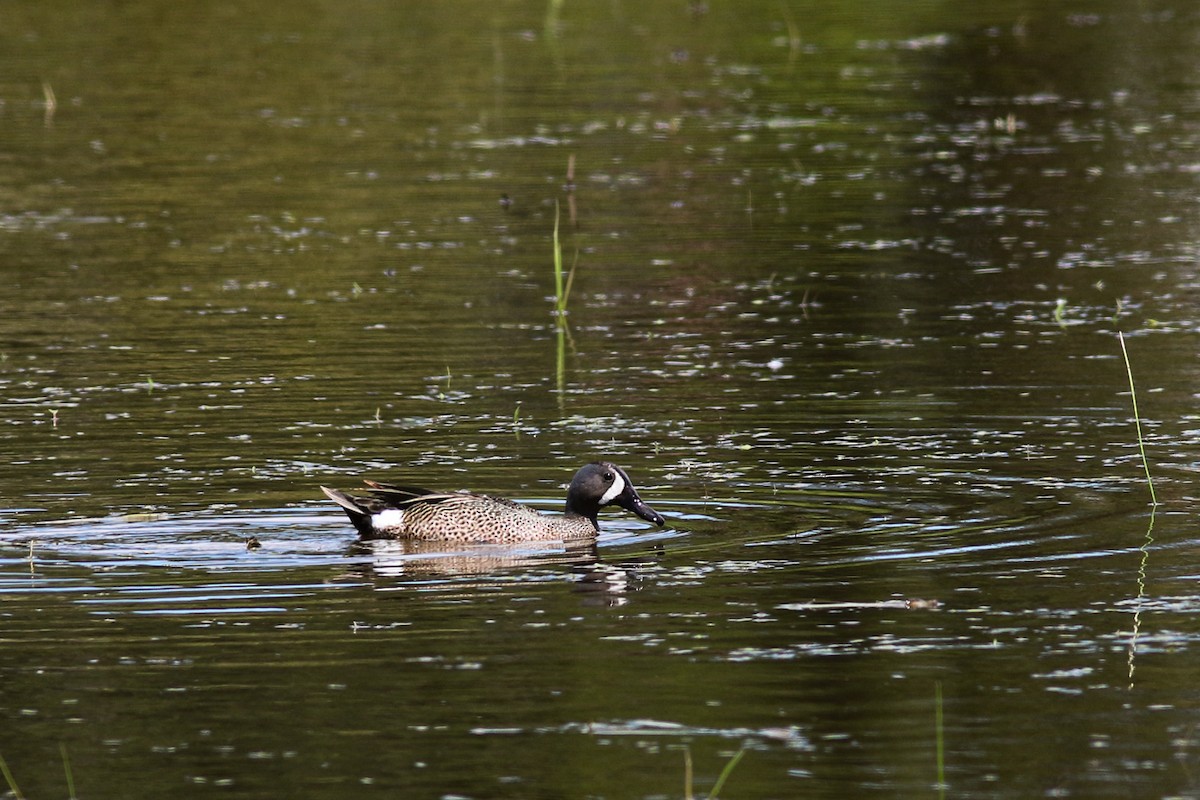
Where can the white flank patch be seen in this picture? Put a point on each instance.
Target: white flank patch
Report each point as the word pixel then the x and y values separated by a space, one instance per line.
pixel 389 518
pixel 614 491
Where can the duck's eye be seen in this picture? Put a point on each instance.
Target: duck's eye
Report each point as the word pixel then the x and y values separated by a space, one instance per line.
pixel 608 477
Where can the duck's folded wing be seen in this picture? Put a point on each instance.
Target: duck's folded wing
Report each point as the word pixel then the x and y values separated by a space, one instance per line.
pixel 400 493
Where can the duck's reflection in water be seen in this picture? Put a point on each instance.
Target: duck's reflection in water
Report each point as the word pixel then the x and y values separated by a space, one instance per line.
pixel 601 584
pixel 383 561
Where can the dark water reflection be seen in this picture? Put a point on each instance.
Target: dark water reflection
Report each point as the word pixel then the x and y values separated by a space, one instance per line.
pixel 848 290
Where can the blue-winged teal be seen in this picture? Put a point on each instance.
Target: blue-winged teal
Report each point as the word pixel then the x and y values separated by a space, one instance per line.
pixel 399 512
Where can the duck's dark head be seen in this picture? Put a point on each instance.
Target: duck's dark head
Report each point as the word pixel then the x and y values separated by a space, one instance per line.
pixel 601 484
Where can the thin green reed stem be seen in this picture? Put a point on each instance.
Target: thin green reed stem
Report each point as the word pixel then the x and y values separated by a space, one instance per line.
pixel 8 777
pixel 1137 420
pixel 725 773
pixel 941 744
pixel 67 769
pixel 560 300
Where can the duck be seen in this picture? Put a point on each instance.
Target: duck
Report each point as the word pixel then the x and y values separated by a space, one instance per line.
pixel 406 512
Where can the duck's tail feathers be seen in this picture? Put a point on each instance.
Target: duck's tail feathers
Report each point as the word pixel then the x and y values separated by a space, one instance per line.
pixel 358 514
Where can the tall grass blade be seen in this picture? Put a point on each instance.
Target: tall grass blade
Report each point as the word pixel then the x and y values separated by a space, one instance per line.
pixel 50 104
pixel 941 739
pixel 560 362
pixel 570 281
pixel 553 15
pixel 560 301
pixel 8 777
pixel 794 41
pixel 725 773
pixel 1137 420
pixel 67 769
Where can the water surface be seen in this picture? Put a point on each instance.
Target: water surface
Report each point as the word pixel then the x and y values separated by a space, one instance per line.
pixel 848 285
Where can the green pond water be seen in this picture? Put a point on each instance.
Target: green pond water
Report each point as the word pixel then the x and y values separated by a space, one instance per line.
pixel 848 284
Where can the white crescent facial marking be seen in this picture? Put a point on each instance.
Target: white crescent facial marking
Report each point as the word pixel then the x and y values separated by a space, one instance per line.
pixel 615 490
pixel 388 518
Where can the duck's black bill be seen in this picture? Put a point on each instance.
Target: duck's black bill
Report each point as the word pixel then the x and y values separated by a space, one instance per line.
pixel 630 501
